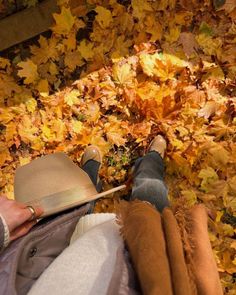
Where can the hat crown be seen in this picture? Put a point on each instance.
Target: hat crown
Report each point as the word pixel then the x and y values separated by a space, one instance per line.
pixel 50 175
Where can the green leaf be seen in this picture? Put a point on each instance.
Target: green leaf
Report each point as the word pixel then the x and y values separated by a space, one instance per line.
pixel 205 29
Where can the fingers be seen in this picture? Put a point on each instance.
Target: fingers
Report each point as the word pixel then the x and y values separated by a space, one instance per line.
pixel 18 216
pixel 22 230
pixel 24 224
pixel 38 211
pixel 27 213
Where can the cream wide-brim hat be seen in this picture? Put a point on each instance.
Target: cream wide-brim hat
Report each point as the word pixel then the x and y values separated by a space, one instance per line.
pixel 55 183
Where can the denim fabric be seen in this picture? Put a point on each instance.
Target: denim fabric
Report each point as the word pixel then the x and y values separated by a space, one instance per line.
pixel 91 167
pixel 149 181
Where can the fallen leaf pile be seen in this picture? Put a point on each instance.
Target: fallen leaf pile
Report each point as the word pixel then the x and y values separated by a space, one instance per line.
pixel 115 74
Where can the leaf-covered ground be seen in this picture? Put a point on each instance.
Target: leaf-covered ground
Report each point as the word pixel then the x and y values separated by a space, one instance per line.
pixel 117 73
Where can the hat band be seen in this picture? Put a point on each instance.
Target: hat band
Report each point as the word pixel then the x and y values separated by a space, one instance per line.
pixel 63 199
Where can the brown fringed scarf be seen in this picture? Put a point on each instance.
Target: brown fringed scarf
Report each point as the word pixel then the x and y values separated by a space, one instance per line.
pixel 163 255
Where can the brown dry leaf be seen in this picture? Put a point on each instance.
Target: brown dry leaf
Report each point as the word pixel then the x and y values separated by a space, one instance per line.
pixel 187 40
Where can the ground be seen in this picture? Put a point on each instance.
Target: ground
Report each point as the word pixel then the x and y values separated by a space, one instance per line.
pixel 117 73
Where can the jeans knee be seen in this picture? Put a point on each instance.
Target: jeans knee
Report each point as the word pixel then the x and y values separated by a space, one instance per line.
pixel 151 190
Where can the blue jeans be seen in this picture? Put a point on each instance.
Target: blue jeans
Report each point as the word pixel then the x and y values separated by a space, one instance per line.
pixel 148 179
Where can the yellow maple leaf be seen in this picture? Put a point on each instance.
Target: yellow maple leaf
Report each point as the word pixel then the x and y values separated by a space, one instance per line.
pixel 214 73
pixel 208 176
pixel 24 160
pixel 121 47
pixel 59 129
pixel 103 17
pixel 53 70
pixel 179 165
pixel 4 63
pixel 209 109
pixel 31 105
pixel 126 22
pixel 37 144
pixel 178 144
pixel 210 46
pixel 77 126
pixel 219 214
pixel 4 154
pixel 233 245
pixel 232 184
pixel 220 156
pixel 173 34
pixel 140 131
pixel 43 87
pixel 6 115
pixel 115 138
pixel 163 66
pixel 123 74
pixel 29 71
pixel 10 133
pixel 140 8
pixel 73 59
pixel 114 131
pixel 86 50
pixel 9 191
pixel 190 197
pixel 92 112
pixel 46 133
pixel 70 41
pixel 72 97
pixel 27 130
pixel 153 27
pixel 183 17
pixel 98 140
pixel 150 90
pixel 64 22
pixel 227 229
pixel 46 50
pixel 7 86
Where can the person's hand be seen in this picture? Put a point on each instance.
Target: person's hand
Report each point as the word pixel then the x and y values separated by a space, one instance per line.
pixel 18 217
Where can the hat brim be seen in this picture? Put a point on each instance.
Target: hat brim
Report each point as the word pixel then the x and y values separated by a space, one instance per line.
pixel 68 199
